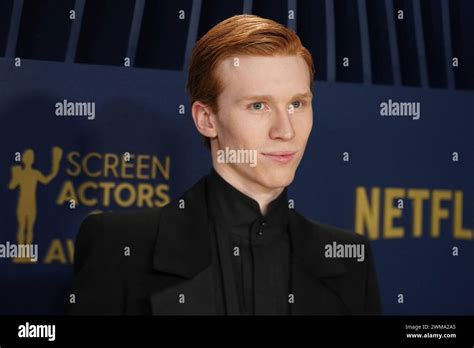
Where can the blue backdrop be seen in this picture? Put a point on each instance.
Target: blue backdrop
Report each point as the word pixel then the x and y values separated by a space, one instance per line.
pixel 361 171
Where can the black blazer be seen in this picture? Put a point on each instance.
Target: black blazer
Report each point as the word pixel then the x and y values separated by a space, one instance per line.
pixel 138 262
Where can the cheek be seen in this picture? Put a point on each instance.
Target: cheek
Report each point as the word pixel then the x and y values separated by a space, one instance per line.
pixel 240 130
pixel 227 128
pixel 303 126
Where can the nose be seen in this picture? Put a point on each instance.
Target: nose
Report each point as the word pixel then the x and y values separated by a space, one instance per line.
pixel 282 128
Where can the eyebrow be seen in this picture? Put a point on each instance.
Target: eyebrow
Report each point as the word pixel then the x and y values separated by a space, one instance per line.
pixel 269 97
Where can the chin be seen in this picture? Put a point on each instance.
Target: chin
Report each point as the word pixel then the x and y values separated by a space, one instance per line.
pixel 278 180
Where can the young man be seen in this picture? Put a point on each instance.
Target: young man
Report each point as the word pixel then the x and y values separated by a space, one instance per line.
pixel 231 245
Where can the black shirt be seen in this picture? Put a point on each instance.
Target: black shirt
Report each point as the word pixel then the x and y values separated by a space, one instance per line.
pixel 251 251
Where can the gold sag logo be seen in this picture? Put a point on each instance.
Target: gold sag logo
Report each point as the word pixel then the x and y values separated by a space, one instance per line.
pixel 26 179
pixel 108 185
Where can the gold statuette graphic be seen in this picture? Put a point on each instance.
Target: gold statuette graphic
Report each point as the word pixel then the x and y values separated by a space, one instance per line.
pixel 26 179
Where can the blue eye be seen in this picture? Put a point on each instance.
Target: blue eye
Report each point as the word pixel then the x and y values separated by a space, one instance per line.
pixel 257 106
pixel 297 105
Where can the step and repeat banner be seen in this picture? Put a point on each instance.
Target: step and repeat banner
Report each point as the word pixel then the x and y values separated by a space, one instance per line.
pixel 394 164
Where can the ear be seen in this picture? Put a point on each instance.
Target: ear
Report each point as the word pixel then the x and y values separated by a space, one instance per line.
pixel 203 119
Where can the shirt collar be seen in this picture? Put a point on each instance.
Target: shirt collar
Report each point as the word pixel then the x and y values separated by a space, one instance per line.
pixel 230 207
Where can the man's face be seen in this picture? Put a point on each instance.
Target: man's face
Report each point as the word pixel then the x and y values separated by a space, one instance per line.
pixel 265 106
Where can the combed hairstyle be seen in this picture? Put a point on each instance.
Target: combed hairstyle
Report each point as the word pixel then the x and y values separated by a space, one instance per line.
pixel 239 35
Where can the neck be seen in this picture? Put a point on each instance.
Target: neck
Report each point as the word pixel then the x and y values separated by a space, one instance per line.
pixel 264 196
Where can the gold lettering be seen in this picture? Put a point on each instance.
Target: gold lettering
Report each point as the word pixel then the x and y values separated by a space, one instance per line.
pixel 417 196
pixel 107 186
pixel 88 202
pixel 111 161
pixel 161 191
pixel 438 213
pixel 55 252
pixel 165 171
pixel 125 165
pixel 66 193
pixel 145 195
pixel 125 202
pixel 391 212
pixel 459 231
pixel 85 164
pixel 367 215
pixel 70 157
pixel 141 166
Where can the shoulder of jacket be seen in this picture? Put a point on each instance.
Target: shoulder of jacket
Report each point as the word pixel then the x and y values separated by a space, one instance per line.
pixel 331 233
pixel 121 226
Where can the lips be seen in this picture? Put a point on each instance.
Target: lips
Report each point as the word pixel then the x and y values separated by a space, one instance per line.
pixel 280 156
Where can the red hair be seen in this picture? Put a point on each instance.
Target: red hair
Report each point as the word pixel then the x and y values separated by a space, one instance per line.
pixel 238 35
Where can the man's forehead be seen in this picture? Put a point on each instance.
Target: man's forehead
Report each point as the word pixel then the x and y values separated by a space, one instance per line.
pixel 261 75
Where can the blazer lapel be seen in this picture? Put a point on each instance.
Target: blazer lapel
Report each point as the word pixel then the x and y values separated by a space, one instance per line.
pixel 317 287
pixel 183 249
